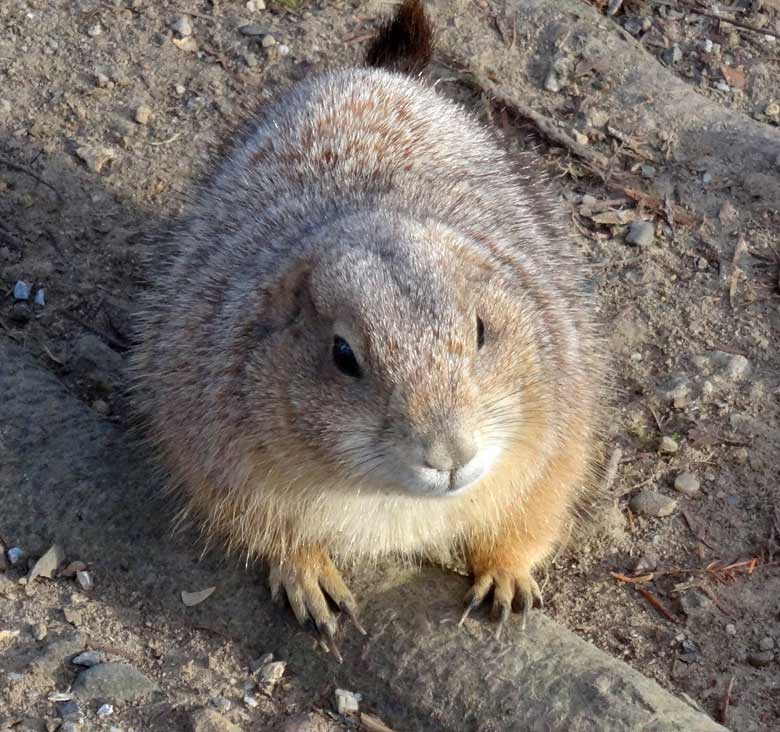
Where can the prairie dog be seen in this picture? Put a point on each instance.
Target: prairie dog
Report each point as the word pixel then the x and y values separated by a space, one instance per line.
pixel 371 338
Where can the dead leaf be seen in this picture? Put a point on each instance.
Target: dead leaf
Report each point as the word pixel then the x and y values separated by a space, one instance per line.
pixel 734 76
pixel 195 598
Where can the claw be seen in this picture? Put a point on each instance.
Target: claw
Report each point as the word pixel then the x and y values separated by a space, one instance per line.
pixel 330 641
pixel 475 601
pixel 349 611
pixel 505 610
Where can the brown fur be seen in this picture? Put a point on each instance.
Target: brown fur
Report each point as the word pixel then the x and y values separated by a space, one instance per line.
pixel 365 207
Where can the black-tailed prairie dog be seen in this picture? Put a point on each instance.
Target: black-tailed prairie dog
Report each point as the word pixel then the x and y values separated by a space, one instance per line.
pixel 370 337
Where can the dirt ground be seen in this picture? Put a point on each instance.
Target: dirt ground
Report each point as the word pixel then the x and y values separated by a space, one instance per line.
pixel 108 111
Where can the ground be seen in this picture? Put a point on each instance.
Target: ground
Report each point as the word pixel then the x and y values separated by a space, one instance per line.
pixel 108 113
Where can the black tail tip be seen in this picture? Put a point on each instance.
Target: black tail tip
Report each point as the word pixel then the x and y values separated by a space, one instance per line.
pixel 405 42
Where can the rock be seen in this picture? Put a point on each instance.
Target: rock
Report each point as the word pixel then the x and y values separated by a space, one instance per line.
pixel 96 360
pixel 221 704
pixel 47 565
pixel 72 616
pixel 268 41
pixel 85 578
pixel 250 701
pixel 347 702
pixel 182 26
pixel 252 30
pixel 309 723
pixel 687 483
pixel 39 631
pixel 731 629
pixel 69 711
pixel 15 555
pixel 95 158
pixel 651 503
pixel 676 390
pixel 668 445
pixel 105 710
pixel 21 291
pixel 641 234
pixel 270 675
pixel 208 720
pixel 143 114
pixel 760 659
pixel 57 652
pixel 256 664
pixel 114 681
pixel 188 44
pixel 21 313
pixel 95 30
pixel 283 49
pixel 731 366
pixel 693 602
pixel 90 658
pixel 254 6
pixel 672 55
pixel 766 644
pixel 40 298
pixel 646 563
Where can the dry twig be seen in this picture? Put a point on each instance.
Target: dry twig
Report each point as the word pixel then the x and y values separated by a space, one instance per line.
pixel 657 604
pixel 724 707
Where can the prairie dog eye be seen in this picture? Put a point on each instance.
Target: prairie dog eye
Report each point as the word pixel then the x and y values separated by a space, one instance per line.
pixel 480 333
pixel 344 358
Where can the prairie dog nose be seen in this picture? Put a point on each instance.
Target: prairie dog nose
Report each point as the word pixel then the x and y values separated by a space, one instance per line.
pixel 450 454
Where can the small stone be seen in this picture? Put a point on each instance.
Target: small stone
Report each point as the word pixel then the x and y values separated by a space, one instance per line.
pixel 552 82
pixel 271 674
pixel 706 45
pixel 182 26
pixel 251 60
pixel 221 704
pixel 766 644
pixel 85 578
pixel 668 445
pixel 188 44
pixel 760 659
pixel 105 710
pixel 114 681
pixel 143 114
pixel 180 89
pixel 47 565
pixel 580 137
pixel 21 313
pixel 70 727
pixel 651 503
pixel 250 701
pixel 283 49
pixel 648 171
pixel 772 109
pixel 693 602
pixel 95 31
pixel 95 158
pixel 731 629
pixel 90 658
pixel 268 41
pixel 347 702
pixel 21 291
pixel 39 631
pixel 252 30
pixel 676 390
pixel 40 298
pixel 69 711
pixel 641 234
pixel 687 483
pixel 209 720
pixel 689 652
pixel 72 616
pixel 672 55
pixel 253 6
pixel 646 563
pixel 15 555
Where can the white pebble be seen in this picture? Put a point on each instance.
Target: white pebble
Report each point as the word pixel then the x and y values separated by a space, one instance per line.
pixel 347 702
pixel 105 710
pixel 21 291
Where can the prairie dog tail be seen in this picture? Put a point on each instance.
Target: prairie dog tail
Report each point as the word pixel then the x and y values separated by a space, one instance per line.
pixel 405 42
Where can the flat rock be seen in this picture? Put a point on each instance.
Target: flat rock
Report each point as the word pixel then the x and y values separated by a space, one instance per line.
pixel 687 484
pixel 209 720
pixel 651 503
pixel 114 681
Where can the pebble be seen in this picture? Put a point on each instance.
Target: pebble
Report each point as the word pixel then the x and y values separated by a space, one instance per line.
pixel 72 616
pixel 646 563
pixel 180 89
pixel 187 44
pixel 221 704
pixel 115 681
pixel 347 702
pixel 182 26
pixel 209 720
pixel 143 114
pixel 39 631
pixel 21 313
pixel 268 41
pixel 676 390
pixel 731 629
pixel 687 483
pixel 668 445
pixel 251 60
pixel 760 659
pixel 271 674
pixel 772 109
pixel 69 711
pixel 641 234
pixel 95 31
pixel 650 503
pixel 284 50
pixel 85 578
pixel 40 298
pixel 90 658
pixel 252 30
pixel 105 710
pixel 47 565
pixel 21 291
pixel 766 644
pixel 16 554
pixel 95 158
pixel 693 602
pixel 672 55
pixel 254 6
pixel 648 171
pixel 250 701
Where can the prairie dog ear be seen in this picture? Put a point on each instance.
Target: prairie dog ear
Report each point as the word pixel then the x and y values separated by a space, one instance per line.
pixel 284 302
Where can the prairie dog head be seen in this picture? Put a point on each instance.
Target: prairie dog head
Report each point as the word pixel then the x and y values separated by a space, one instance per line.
pixel 399 357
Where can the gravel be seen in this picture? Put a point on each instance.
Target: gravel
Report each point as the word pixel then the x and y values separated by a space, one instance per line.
pixel 651 503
